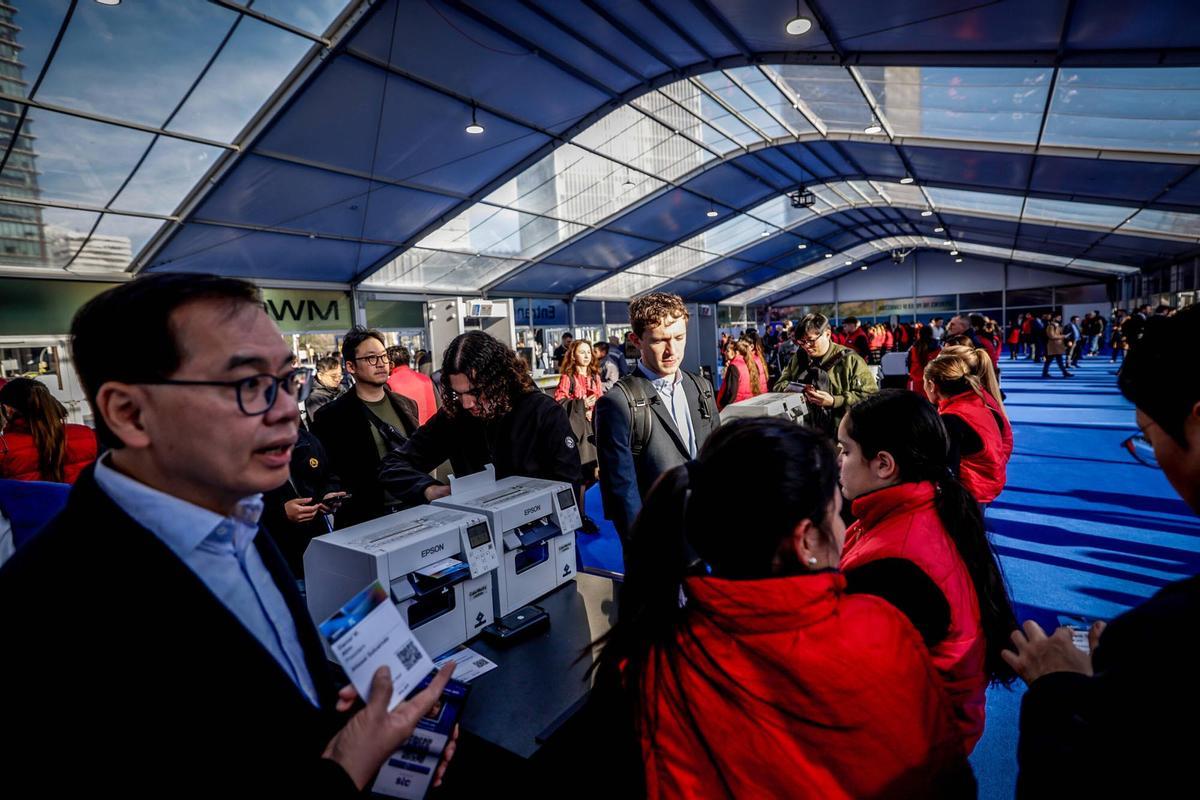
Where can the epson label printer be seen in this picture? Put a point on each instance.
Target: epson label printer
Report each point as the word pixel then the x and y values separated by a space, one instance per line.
pixel 789 405
pixel 439 564
pixel 533 522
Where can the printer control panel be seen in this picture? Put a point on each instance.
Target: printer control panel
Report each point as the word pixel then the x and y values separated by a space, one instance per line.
pixel 568 510
pixel 481 551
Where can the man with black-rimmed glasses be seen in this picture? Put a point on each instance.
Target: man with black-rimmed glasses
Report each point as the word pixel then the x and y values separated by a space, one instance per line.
pixel 363 425
pixel 157 643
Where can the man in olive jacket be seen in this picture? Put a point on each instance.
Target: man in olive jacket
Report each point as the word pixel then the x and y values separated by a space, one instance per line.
pixel 834 377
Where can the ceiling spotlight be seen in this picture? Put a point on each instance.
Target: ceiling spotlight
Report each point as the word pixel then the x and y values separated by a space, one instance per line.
pixel 906 180
pixel 926 213
pixel 109 2
pixel 798 25
pixel 474 127
pixel 849 262
pixel 948 243
pixel 802 246
pixel 939 229
pixel 628 184
pixel 953 252
pixel 958 261
pixel 874 127
pixel 765 233
pixel 829 255
pixel 864 266
pixel 712 212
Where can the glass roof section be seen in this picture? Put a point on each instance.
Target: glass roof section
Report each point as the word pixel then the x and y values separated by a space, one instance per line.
pixel 105 136
pixel 1126 109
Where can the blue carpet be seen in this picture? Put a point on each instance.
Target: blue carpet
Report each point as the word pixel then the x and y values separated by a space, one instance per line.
pixel 1081 528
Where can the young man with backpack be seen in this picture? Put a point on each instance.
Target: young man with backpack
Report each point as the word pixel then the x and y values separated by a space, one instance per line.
pixel 833 377
pixel 655 418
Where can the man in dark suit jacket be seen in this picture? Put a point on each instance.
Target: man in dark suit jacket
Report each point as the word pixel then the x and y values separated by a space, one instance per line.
pixel 159 645
pixel 682 411
pixel 362 426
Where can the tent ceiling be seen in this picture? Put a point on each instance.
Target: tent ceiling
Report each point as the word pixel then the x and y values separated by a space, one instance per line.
pixel 216 136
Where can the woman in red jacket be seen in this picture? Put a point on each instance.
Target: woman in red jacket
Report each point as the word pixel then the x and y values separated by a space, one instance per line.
pixel 747 669
pixel 736 384
pixel 963 385
pixel 37 444
pixel 577 392
pixel 919 543
pixel 922 352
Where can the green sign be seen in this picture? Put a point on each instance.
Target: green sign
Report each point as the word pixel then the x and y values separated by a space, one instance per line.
pixel 308 311
pixel 37 307
pixel 395 314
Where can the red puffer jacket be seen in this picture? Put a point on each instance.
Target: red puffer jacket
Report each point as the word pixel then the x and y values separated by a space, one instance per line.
pixel 19 456
pixel 901 522
pixel 822 695
pixel 984 473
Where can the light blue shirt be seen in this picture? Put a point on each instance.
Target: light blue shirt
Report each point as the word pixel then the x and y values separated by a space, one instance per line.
pixel 220 550
pixel 674 398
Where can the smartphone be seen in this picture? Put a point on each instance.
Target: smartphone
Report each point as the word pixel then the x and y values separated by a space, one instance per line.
pixel 1079 627
pixel 335 502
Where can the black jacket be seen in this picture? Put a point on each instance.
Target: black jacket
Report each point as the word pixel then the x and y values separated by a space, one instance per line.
pixel 344 428
pixel 125 671
pixel 624 479
pixel 311 476
pixel 320 397
pixel 1118 734
pixel 534 440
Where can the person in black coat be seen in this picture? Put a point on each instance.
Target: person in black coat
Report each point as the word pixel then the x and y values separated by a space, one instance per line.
pixel 362 426
pixel 1108 725
pixel 301 509
pixel 159 644
pixel 491 414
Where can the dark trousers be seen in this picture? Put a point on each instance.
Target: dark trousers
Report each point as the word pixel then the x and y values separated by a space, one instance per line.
pixel 1058 358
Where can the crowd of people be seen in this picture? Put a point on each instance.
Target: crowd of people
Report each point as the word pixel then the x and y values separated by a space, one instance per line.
pixel 830 631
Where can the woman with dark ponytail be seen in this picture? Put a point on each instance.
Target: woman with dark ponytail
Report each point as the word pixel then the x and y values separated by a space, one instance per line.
pixel 37 444
pixel 920 544
pixel 744 666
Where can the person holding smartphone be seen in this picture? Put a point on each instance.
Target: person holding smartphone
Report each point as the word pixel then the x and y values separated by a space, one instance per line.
pixel 833 377
pixel 303 507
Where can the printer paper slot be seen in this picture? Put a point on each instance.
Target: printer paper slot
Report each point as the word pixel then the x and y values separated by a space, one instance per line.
pixel 434 577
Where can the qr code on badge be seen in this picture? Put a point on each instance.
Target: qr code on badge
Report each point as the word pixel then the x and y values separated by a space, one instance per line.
pixel 481 662
pixel 409 654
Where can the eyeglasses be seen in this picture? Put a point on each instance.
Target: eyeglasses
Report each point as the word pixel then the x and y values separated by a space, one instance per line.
pixel 473 394
pixel 1140 448
pixel 808 341
pixel 375 359
pixel 256 394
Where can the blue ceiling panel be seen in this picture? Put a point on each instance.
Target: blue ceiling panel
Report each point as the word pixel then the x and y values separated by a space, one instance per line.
pixel 771 247
pixel 1136 181
pixel 811 166
pixel 686 16
pixel 277 194
pixel 877 160
pixel 550 38
pixel 955 221
pixel 669 217
pixel 782 180
pixel 640 19
pixel 452 50
pixel 605 249
pixel 600 32
pixel 1018 25
pixel 757 276
pixel 251 254
pixel 715 294
pixel 1186 193
pixel 550 279
pixel 821 227
pixel 729 184
pixel 1069 236
pixel 833 157
pixel 1148 244
pixel 975 168
pixel 778 158
pixel 722 270
pixel 428 145
pixel 843 240
pixel 1104 25
pixel 684 287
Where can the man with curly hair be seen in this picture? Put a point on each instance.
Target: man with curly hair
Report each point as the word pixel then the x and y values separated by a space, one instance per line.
pixel 491 413
pixel 655 418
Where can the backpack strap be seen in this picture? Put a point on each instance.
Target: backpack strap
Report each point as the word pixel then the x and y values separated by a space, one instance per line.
pixel 704 390
pixel 642 420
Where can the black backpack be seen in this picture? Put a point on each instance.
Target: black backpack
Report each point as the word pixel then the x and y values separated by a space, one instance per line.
pixel 640 395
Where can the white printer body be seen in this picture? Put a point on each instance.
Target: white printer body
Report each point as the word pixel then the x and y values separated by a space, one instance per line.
pixel 789 405
pixel 533 523
pixel 429 559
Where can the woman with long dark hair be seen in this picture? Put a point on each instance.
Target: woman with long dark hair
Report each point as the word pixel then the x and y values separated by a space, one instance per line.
pixel 745 667
pixel 37 444
pixel 578 390
pixel 919 543
pixel 735 383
